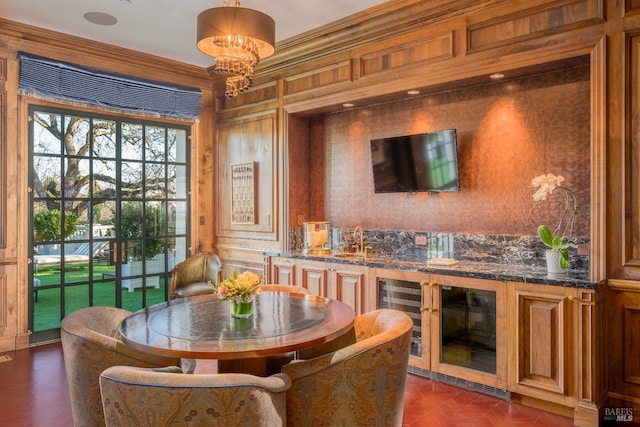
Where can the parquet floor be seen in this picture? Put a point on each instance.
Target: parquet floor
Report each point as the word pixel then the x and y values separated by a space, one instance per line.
pixel 34 393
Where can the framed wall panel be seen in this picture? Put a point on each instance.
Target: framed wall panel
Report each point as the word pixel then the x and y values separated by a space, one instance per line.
pixel 243 206
pixel 3 156
pixel 3 299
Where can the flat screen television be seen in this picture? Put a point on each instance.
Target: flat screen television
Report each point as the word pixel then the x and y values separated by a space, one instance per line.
pixel 412 163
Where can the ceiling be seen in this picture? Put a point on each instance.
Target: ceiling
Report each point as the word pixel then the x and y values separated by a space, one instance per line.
pixel 167 28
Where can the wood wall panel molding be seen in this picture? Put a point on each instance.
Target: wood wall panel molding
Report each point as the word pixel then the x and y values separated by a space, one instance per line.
pixel 623 285
pixel 430 49
pixel 3 153
pixel 3 69
pixel 556 17
pixel 3 168
pixel 4 303
pixel 623 357
pixel 632 224
pixel 368 28
pixel 632 5
pixel 256 96
pixel 249 139
pixel 630 343
pixel 323 77
pixel 586 345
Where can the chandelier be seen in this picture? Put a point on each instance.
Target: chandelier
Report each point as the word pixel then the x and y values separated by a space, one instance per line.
pixel 238 38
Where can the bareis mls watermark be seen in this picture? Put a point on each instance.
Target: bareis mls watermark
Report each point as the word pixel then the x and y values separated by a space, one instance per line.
pixel 618 414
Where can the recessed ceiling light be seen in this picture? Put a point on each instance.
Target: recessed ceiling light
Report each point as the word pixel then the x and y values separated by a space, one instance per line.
pixel 496 76
pixel 347 105
pixel 413 92
pixel 100 18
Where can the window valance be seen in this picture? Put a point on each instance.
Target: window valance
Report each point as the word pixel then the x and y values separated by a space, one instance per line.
pixel 54 79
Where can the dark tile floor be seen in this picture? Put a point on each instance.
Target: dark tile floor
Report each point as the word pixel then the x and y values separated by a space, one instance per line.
pixel 34 394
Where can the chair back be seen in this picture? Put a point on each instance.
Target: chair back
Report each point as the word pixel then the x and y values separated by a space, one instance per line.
pixel 285 288
pixel 361 384
pixel 190 277
pixel 90 344
pixel 161 397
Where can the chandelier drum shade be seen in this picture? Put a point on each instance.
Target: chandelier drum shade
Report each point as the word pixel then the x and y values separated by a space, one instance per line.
pixel 238 38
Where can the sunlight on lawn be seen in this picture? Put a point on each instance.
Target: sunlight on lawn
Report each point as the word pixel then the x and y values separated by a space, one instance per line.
pixel 47 302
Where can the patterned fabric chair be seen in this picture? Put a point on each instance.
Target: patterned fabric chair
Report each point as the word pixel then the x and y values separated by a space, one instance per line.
pixel 285 288
pixel 161 397
pixel 190 277
pixel 90 344
pixel 359 385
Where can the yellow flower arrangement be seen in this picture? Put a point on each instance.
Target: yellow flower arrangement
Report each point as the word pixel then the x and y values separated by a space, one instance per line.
pixel 240 287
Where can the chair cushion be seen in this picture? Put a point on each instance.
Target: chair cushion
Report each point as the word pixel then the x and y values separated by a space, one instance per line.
pixel 192 289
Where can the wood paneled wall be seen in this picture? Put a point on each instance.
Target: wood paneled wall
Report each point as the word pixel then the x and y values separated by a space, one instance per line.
pixel 373 58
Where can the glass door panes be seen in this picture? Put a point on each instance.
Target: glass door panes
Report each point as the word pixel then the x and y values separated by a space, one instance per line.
pixel 109 212
pixel 404 296
pixel 468 328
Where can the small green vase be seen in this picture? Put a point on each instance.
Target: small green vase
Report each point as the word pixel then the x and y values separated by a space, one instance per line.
pixel 242 309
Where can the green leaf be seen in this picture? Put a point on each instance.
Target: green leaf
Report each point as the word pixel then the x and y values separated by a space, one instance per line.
pixel 557 242
pixel 546 236
pixel 564 259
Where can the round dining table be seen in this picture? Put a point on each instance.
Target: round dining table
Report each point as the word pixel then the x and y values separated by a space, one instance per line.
pixel 201 327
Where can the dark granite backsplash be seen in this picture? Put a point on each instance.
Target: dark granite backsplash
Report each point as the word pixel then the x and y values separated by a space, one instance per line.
pixel 521 250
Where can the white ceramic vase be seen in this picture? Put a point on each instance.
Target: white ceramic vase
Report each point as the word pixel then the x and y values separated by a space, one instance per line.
pixel 553 262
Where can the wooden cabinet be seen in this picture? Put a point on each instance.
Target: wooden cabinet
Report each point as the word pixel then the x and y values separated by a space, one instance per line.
pixel 342 282
pixel 281 271
pixel 543 338
pixel 349 284
pixel 538 342
pixel 312 275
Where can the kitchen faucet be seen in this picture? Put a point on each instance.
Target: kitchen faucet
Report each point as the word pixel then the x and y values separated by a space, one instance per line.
pixel 361 249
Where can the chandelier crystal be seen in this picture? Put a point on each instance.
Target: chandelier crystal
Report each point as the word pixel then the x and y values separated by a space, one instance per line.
pixel 238 38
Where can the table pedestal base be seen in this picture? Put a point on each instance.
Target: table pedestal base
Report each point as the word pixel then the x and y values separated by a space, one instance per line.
pixel 254 366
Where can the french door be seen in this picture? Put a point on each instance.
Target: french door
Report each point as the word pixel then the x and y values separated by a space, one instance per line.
pixel 109 213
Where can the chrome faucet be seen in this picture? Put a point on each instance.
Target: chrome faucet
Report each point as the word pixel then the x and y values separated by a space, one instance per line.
pixel 361 250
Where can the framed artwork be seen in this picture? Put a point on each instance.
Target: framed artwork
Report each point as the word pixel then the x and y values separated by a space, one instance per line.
pixel 242 193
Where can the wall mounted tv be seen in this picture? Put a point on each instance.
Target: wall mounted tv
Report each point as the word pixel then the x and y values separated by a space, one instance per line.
pixel 412 163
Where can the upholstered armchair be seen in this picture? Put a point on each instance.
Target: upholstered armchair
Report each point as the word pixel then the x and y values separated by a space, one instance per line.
pixel 161 397
pixel 190 277
pixel 90 344
pixel 359 385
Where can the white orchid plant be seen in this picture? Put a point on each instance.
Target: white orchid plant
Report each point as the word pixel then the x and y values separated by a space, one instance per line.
pixel 556 239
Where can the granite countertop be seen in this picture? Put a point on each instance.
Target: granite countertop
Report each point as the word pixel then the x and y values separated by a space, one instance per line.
pixel 475 269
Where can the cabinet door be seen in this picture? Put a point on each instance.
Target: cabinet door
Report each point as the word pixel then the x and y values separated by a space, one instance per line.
pixel 348 284
pixel 542 342
pixel 468 329
pixel 407 291
pixel 282 271
pixel 313 276
pixel 624 336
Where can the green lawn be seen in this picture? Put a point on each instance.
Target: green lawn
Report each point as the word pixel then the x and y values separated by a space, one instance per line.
pixel 46 310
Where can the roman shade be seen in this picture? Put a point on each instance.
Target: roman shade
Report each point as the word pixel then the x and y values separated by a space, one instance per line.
pixel 47 78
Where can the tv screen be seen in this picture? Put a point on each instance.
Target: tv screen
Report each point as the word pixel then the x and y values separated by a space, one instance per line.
pixel 412 163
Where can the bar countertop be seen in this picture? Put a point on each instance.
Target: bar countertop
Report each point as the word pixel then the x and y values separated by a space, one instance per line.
pixel 474 269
